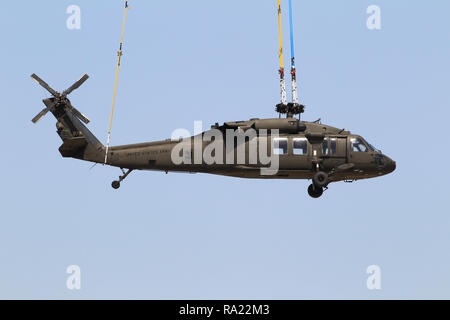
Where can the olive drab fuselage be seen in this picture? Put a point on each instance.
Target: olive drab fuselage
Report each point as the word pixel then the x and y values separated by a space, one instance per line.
pixel 300 154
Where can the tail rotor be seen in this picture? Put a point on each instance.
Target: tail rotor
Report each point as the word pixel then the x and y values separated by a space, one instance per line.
pixel 59 101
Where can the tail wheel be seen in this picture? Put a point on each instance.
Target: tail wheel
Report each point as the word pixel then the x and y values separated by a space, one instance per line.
pixel 321 179
pixel 315 191
pixel 115 184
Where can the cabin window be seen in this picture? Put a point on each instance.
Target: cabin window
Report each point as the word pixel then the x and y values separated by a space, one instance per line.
pixel 300 146
pixel 325 147
pixel 280 146
pixel 333 143
pixel 358 145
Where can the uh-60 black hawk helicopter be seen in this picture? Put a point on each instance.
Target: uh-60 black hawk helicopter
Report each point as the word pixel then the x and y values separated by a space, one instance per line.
pixel 304 150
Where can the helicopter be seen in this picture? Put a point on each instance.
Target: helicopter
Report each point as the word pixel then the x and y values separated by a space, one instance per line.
pixel 300 149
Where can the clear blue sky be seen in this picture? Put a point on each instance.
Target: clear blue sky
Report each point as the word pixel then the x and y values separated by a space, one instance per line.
pixel 199 236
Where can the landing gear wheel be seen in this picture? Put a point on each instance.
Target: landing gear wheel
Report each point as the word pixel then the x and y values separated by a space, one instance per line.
pixel 321 179
pixel 315 191
pixel 115 184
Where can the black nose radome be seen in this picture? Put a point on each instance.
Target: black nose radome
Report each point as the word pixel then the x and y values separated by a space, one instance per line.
pixel 390 165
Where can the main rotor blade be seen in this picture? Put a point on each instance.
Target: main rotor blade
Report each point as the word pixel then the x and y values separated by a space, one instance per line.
pixel 40 115
pixel 76 85
pixel 79 115
pixel 44 84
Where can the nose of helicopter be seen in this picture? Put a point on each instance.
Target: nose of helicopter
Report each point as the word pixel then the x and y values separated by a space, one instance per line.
pixel 390 165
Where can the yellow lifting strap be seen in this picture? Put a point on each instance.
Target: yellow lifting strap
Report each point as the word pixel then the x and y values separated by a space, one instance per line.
pixel 281 71
pixel 115 84
pixel 281 40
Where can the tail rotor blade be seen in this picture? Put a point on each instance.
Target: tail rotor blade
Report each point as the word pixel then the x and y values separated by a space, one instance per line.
pixel 40 115
pixel 76 85
pixel 44 84
pixel 80 116
pixel 48 103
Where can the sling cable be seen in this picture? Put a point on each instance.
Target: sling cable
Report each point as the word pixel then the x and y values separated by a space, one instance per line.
pixel 282 106
pixel 115 85
pixel 291 108
pixel 293 76
pixel 295 107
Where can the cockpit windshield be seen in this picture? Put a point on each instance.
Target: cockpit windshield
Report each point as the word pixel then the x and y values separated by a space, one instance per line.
pixel 371 147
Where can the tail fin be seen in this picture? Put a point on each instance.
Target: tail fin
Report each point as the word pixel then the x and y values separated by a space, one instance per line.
pixel 78 141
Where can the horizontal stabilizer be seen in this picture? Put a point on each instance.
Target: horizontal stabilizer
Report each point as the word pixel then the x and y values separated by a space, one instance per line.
pixel 73 147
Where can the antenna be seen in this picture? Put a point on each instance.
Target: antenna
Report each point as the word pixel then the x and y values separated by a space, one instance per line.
pixel 115 85
pixel 283 104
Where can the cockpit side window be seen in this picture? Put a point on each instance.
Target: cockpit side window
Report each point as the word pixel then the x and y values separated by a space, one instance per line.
pixel 300 146
pixel 333 145
pixel 280 146
pixel 325 147
pixel 358 145
pixel 329 146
